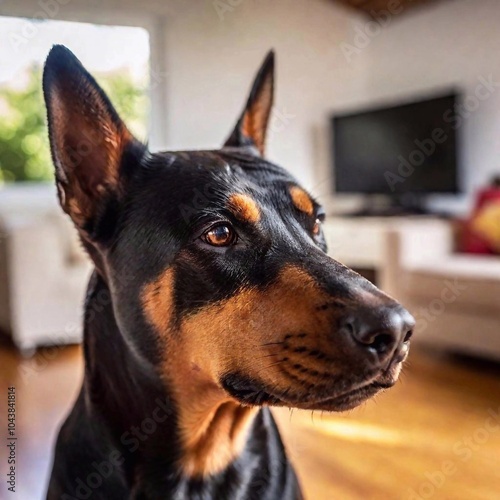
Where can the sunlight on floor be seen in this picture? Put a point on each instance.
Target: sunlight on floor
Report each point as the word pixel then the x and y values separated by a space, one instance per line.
pixel 360 432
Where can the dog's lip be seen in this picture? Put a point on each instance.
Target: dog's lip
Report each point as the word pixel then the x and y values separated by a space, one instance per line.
pixel 258 394
pixel 399 357
pixel 402 354
pixel 385 379
pixel 378 384
pixel 264 396
pixel 345 401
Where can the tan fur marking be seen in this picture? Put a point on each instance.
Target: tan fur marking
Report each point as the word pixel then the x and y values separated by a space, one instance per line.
pixel 244 208
pixel 216 439
pixel 255 119
pixel 213 426
pixel 86 139
pixel 227 337
pixel 157 301
pixel 301 200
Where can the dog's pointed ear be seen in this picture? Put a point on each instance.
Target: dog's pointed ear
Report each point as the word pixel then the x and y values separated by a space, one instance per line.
pixel 251 128
pixel 88 140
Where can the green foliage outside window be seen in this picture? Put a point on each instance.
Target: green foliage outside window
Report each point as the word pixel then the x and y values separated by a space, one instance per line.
pixel 24 146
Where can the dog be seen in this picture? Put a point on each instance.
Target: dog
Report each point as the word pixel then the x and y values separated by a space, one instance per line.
pixel 212 299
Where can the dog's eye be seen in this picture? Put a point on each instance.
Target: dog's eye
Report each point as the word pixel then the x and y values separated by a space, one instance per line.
pixel 318 223
pixel 220 235
pixel 317 227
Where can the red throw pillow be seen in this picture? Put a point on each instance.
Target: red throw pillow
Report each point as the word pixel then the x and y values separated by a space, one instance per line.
pixel 478 237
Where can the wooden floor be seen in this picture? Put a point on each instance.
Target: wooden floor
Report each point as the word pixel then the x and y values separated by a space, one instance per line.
pixel 436 435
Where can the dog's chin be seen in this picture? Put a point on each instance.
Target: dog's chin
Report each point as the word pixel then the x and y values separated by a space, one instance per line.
pixel 346 401
pixel 255 393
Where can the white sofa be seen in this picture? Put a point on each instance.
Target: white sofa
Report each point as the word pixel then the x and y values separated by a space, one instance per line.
pixel 454 297
pixel 43 270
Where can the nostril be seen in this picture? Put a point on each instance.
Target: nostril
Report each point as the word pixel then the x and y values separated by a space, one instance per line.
pixel 381 342
pixel 379 330
pixel 408 335
pixel 349 326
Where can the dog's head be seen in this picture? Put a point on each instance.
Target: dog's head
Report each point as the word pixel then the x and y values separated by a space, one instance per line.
pixel 216 260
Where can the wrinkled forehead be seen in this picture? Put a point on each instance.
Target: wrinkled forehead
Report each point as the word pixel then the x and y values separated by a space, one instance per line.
pixel 197 183
pixel 175 195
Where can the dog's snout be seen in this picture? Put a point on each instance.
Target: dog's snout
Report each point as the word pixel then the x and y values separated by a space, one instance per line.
pixel 382 329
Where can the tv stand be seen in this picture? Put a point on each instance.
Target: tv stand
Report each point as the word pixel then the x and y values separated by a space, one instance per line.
pixel 362 243
pixel 389 211
pixel 397 206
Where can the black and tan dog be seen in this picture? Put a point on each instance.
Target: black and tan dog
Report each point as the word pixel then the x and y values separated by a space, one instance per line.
pixel 212 299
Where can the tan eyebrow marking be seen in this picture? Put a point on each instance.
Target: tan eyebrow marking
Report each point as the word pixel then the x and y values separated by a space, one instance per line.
pixel 301 200
pixel 158 302
pixel 244 208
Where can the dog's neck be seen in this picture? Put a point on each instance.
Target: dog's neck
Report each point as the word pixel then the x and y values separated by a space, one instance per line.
pixel 195 432
pixel 213 428
pixel 217 437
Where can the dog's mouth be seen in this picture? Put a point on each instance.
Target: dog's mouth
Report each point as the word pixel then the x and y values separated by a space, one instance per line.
pixel 341 395
pixel 250 392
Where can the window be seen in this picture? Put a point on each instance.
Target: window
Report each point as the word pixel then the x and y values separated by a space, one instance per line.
pixel 117 56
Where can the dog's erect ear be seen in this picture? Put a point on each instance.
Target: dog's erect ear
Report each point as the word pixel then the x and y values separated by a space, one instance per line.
pixel 87 138
pixel 251 128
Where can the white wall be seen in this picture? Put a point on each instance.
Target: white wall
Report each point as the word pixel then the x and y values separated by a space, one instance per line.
pixel 212 62
pixel 205 60
pixel 204 65
pixel 149 15
pixel 449 44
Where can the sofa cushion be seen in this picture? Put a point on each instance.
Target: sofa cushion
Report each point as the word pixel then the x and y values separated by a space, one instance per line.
pixel 459 281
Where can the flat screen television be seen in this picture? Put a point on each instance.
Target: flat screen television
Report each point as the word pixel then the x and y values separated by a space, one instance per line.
pixel 398 150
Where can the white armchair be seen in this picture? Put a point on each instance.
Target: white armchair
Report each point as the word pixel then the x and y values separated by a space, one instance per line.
pixel 43 274
pixel 454 297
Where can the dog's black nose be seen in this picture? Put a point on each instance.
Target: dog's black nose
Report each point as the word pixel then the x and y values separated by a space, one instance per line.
pixel 380 329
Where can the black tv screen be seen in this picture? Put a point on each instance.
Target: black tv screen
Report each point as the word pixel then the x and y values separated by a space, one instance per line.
pixel 410 148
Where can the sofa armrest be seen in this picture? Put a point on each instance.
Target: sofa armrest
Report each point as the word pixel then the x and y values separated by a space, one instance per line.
pixel 45 285
pixel 411 243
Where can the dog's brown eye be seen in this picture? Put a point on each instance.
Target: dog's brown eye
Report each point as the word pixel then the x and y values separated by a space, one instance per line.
pixel 221 235
pixel 317 227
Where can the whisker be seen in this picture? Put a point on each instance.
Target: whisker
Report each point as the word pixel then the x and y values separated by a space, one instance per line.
pixel 270 366
pixel 269 355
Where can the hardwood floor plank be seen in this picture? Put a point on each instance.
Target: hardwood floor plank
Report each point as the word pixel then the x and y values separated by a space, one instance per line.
pixel 435 435
pixel 425 438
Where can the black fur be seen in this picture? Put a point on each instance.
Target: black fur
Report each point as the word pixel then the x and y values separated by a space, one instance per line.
pixel 100 453
pixel 122 438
